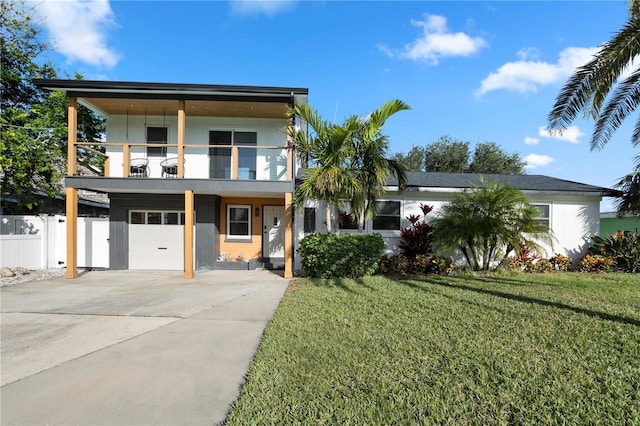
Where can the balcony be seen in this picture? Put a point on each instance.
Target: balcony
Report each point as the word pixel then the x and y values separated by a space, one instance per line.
pixel 135 160
pixel 221 169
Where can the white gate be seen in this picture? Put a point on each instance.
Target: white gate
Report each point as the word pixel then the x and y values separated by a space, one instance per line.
pixel 40 242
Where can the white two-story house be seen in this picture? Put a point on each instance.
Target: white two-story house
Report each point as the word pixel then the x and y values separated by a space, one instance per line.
pixel 196 175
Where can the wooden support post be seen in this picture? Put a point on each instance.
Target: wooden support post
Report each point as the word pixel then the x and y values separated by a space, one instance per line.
pixel 288 235
pixel 126 160
pixel 72 132
pixel 234 162
pixel 181 137
pixel 72 193
pixel 188 233
pixel 107 165
pixel 290 153
pixel 72 233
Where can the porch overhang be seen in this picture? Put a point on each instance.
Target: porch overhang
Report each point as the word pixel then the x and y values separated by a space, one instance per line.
pixel 221 187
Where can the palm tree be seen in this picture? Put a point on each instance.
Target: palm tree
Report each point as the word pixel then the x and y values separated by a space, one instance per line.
pixel 488 223
pixel 596 90
pixel 369 163
pixel 325 150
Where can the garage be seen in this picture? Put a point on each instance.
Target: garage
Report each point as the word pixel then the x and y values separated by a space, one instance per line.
pixel 156 239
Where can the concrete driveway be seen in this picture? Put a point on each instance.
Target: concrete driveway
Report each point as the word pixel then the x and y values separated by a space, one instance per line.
pixel 131 347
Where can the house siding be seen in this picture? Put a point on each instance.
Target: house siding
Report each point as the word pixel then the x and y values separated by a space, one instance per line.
pixel 573 219
pixel 206 228
pixel 251 249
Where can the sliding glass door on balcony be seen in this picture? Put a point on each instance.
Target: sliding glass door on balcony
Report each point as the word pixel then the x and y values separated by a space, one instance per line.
pixel 220 158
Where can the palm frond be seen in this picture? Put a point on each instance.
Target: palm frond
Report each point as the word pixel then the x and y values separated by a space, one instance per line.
pixel 624 100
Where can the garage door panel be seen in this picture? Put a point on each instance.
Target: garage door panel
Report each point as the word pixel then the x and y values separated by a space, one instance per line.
pixel 156 247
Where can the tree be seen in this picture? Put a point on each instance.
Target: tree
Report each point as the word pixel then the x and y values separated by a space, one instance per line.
pixel 447 155
pixel 325 150
pixel 413 161
pixel 488 223
pixel 369 162
pixel 604 90
pixel 489 158
pixel 33 124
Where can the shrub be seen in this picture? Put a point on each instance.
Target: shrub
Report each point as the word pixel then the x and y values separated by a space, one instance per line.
pixel 623 246
pixel 523 261
pixel 399 264
pixel 396 264
pixel 561 262
pixel 596 263
pixel 541 266
pixel 417 239
pixel 440 265
pixel 347 255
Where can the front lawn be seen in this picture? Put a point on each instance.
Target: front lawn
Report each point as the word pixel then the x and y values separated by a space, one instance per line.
pixel 472 349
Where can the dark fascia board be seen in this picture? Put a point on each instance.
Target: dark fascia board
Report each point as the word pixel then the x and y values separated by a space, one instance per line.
pixel 182 90
pixel 168 186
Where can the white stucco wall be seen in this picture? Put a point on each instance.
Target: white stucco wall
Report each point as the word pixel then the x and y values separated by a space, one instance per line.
pixel 573 219
pixel 270 163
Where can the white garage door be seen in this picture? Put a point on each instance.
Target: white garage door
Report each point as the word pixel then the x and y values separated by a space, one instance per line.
pixel 156 240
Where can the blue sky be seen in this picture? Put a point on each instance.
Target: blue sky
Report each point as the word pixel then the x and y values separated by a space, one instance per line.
pixel 473 70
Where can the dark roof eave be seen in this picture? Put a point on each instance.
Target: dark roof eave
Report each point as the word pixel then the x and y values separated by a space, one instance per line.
pixel 140 88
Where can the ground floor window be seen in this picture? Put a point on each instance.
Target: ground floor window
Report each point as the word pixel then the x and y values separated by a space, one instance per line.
pixel 543 213
pixel 309 220
pixel 238 222
pixel 388 217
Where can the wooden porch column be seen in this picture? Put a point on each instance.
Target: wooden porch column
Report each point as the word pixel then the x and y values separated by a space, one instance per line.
pixel 288 235
pixel 126 160
pixel 290 153
pixel 235 155
pixel 188 233
pixel 72 193
pixel 181 137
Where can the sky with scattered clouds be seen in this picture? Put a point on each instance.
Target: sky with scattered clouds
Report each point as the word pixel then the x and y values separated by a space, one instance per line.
pixel 473 70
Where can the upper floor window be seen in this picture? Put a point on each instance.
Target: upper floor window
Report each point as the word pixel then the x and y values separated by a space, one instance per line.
pixel 220 158
pixel 157 135
pixel 388 217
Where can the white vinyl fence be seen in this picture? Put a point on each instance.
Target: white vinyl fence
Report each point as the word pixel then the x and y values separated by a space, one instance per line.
pixel 40 242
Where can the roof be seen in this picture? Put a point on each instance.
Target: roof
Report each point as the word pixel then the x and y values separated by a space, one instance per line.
pixel 529 183
pixel 84 87
pixel 143 98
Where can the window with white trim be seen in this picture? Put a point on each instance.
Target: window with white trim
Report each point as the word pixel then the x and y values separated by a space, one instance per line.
pixel 543 213
pixel 238 222
pixel 388 217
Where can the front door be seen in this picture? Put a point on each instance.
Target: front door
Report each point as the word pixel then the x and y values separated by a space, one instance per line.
pixel 273 232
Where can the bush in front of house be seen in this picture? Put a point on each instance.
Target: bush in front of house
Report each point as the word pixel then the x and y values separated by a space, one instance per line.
pixel 399 264
pixel 623 246
pixel 596 263
pixel 561 262
pixel 346 255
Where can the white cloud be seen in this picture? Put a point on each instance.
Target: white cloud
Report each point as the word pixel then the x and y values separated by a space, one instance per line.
pixel 256 7
pixel 534 161
pixel 529 73
pixel 77 29
pixel 571 134
pixel 531 141
pixel 436 42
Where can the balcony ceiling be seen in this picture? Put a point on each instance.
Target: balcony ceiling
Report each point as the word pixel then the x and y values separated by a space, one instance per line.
pixel 119 106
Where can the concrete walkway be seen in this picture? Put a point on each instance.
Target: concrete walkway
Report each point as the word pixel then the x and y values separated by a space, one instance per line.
pixel 131 347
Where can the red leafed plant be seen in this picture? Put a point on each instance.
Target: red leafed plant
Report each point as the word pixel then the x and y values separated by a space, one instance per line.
pixel 417 238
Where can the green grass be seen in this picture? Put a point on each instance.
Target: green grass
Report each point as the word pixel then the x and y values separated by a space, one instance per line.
pixel 471 349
